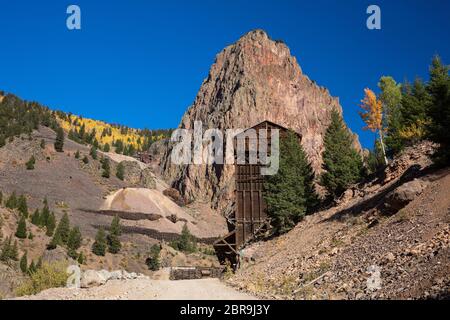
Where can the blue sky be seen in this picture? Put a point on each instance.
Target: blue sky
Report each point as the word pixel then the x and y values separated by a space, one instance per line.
pixel 141 63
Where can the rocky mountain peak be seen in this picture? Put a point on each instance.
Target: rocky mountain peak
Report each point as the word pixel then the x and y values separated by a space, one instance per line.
pixel 257 44
pixel 253 80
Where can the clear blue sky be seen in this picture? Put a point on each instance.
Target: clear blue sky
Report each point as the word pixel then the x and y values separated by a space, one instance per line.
pixel 141 63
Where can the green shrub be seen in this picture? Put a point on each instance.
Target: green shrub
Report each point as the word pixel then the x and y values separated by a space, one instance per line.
pixel 100 244
pixel 186 242
pixel 24 263
pixel 9 251
pixel 59 142
pixel 93 152
pixel 120 171
pixel 11 202
pixel 153 261
pixel 115 231
pixel 22 206
pixel 21 231
pixel 30 163
pixel 48 276
pixel 106 168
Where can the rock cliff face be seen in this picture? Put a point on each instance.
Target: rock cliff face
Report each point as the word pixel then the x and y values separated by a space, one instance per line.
pixel 253 80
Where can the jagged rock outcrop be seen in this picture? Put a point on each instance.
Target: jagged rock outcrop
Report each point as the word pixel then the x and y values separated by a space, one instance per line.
pixel 412 159
pixel 253 80
pixel 135 175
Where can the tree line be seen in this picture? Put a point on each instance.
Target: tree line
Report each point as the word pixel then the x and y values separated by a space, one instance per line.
pixel 404 114
pixel 21 117
pixel 18 117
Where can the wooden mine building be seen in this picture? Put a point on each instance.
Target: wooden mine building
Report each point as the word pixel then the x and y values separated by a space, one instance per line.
pixel 248 221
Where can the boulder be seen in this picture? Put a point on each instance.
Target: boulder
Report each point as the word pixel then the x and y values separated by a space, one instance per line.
pixel 175 195
pixel 92 278
pixel 74 279
pixel 404 194
pixel 105 274
pixel 116 275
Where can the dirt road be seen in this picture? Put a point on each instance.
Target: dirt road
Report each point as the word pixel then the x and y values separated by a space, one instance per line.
pixel 145 289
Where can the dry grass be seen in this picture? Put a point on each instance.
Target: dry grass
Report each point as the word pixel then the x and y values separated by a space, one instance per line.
pixel 48 276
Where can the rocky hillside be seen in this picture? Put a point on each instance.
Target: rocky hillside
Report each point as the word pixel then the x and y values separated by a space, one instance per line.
pixel 387 239
pixel 73 182
pixel 253 80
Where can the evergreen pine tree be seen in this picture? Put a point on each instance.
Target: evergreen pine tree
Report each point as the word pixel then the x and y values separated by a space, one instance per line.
pixel 77 154
pixel 290 193
pixel 63 230
pixel 36 217
pixel 439 110
pixel 21 231
pixel 153 261
pixel 30 163
pixel 6 250
pixel 415 102
pixel 82 132
pixel 45 214
pixel 14 253
pixel 119 146
pixel 80 259
pixel 24 263
pixel 11 202
pixel 56 240
pixel 341 162
pixel 186 242
pixel 115 231
pixel 59 142
pixel 93 152
pixel 50 224
pixel 32 268
pixel 106 147
pixel 74 242
pixel 100 244
pixel 85 160
pixel 22 206
pixel 120 171
pixel 106 168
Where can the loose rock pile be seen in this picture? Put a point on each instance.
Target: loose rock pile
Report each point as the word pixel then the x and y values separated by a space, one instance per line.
pixel 417 156
pixel 93 278
pixel 359 250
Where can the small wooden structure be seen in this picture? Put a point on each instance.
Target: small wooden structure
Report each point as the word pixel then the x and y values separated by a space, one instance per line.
pixel 248 221
pixel 189 273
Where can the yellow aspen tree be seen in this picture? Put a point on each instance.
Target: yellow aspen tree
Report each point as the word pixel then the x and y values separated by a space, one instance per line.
pixel 372 115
